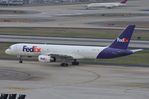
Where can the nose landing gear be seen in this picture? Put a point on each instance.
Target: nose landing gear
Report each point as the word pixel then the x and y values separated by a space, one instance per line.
pixel 20 59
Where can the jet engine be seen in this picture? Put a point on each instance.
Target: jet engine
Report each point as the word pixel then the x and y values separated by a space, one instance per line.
pixel 46 58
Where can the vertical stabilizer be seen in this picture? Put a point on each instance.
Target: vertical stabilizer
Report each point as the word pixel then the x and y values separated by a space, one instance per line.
pixel 123 40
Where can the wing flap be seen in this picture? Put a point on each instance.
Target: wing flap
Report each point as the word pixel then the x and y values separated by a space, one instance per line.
pixel 66 56
pixel 61 56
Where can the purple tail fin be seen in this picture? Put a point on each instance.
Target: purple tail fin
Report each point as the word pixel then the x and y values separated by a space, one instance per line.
pixel 123 1
pixel 123 40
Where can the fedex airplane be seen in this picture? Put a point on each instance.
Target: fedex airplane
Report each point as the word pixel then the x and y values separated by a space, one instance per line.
pixel 49 53
pixel 107 5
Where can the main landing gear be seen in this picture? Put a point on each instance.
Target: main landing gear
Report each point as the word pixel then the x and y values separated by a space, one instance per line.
pixel 64 64
pixel 74 63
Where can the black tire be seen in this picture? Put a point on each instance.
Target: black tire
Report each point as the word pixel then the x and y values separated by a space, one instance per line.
pixel 75 63
pixel 64 64
pixel 20 61
pixel 54 59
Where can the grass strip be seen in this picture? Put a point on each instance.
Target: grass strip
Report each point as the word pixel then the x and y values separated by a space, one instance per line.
pixel 71 32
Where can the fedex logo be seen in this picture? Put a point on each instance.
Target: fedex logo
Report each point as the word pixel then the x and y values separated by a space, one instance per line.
pixel 42 58
pixel 123 40
pixel 32 49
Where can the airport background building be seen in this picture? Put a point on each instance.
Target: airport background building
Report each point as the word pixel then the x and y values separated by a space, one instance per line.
pixel 24 2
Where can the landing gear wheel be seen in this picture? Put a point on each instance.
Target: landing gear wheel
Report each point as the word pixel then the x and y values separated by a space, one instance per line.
pixel 64 64
pixel 20 59
pixel 75 62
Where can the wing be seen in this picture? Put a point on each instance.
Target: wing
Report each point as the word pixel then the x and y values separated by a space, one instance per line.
pixel 61 56
pixel 65 56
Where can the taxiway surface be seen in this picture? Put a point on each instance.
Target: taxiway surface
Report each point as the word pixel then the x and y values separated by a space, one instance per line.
pixel 75 16
pixel 50 81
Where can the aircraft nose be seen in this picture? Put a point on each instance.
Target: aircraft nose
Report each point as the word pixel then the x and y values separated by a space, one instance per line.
pixel 7 51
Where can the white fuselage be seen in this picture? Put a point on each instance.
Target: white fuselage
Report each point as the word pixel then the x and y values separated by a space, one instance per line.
pixel 77 52
pixel 49 53
pixel 106 5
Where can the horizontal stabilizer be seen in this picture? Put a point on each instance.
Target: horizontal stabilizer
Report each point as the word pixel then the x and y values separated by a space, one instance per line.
pixel 136 50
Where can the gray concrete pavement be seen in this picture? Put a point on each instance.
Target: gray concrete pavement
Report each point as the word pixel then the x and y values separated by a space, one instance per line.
pixel 50 81
pixel 75 15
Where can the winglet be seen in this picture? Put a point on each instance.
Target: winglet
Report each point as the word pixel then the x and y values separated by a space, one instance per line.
pixel 123 40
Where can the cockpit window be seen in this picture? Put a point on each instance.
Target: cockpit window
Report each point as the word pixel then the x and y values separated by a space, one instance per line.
pixel 10 47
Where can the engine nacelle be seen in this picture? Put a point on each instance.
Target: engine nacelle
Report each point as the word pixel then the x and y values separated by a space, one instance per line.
pixel 46 59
